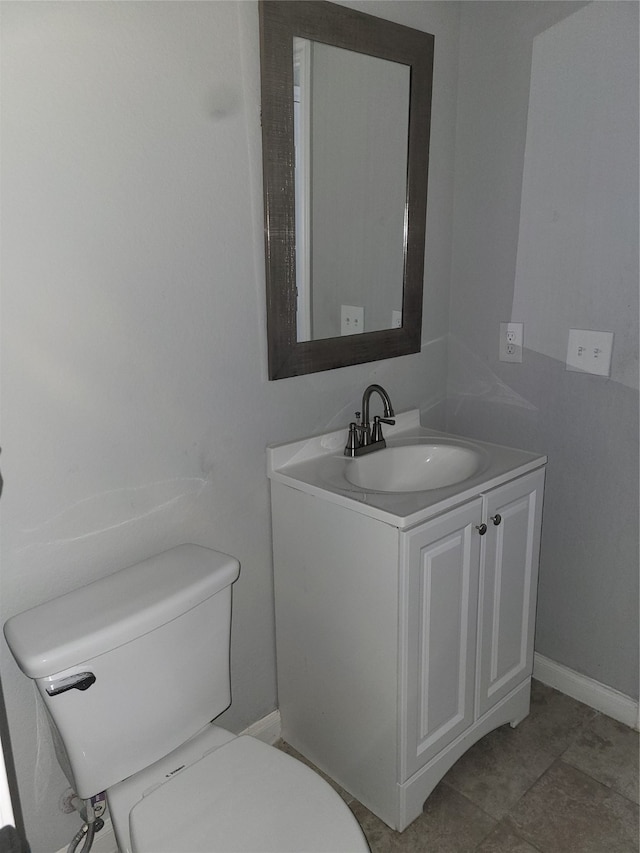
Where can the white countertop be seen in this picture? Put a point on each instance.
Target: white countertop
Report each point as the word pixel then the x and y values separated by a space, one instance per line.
pixel 316 466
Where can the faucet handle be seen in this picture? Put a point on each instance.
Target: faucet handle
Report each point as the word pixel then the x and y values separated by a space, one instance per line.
pixel 353 441
pixel 376 433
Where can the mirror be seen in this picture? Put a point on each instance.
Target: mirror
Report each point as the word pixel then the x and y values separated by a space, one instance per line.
pixel 351 120
pixel 346 104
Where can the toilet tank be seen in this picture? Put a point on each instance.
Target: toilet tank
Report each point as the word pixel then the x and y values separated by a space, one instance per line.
pixel 137 662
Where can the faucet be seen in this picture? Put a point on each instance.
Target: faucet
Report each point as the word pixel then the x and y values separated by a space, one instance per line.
pixel 362 437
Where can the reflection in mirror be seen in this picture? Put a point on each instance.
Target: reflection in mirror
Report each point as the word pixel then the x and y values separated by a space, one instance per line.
pixel 351 119
pixel 346 106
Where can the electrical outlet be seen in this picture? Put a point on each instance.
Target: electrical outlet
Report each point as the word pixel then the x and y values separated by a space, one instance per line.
pixel 396 319
pixel 589 352
pixel 351 320
pixel 511 336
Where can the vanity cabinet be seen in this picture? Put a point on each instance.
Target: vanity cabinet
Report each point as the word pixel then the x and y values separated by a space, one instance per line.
pixel 399 647
pixel 468 602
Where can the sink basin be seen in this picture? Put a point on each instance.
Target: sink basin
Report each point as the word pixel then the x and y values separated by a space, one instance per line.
pixel 414 467
pixel 421 472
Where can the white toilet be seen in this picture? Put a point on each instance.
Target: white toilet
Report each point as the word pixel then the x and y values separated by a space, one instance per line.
pixel 132 669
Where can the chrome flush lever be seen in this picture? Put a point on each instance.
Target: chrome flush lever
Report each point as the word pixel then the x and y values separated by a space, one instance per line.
pixel 79 681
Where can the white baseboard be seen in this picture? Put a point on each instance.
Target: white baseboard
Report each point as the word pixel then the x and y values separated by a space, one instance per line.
pixel 605 699
pixel 267 730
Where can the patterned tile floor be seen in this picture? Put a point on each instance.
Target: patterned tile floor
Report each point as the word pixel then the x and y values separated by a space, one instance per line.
pixel 564 781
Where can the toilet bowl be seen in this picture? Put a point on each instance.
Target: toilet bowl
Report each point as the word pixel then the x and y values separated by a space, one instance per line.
pixel 132 668
pixel 239 795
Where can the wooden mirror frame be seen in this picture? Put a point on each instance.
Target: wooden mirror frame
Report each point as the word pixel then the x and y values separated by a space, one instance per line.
pixel 320 21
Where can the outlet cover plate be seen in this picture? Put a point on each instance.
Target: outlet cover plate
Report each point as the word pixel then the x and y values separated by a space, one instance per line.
pixel 351 319
pixel 589 351
pixel 511 337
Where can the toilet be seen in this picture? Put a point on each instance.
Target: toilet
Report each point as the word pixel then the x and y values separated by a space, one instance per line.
pixel 132 669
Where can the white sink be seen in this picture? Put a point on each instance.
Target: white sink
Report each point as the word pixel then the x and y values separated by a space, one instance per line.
pixel 414 467
pixel 402 489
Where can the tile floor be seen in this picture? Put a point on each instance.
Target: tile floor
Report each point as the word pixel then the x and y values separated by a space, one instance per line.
pixel 564 781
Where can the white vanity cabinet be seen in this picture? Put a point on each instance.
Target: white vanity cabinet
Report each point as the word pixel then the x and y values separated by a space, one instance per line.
pixel 400 644
pixel 468 580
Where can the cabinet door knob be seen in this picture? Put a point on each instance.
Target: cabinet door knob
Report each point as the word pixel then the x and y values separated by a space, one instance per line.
pixel 481 528
pixel 497 518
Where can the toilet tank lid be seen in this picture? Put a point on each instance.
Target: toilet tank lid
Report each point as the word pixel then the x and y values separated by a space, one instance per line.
pixel 114 610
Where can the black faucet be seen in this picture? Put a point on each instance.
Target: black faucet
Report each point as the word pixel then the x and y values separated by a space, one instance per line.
pixel 363 438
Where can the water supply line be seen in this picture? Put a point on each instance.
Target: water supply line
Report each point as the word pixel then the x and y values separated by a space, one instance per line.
pixel 92 823
pixel 86 831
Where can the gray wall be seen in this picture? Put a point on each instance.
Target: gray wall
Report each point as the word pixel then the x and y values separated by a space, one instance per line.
pixel 135 402
pixel 546 233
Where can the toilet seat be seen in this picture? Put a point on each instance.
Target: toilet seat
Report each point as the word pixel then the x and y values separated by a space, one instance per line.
pixel 245 797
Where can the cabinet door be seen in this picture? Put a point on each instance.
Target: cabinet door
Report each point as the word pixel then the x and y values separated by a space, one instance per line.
pixel 508 585
pixel 440 566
